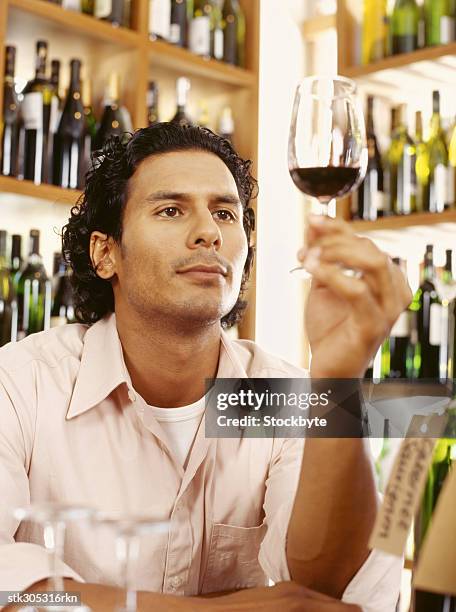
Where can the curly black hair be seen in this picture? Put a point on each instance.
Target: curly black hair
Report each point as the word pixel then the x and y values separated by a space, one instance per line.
pixel 102 204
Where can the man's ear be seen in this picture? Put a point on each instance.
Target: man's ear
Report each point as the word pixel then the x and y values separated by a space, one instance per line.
pixel 102 255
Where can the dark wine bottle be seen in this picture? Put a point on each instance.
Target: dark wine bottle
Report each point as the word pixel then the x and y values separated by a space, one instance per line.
pixel 34 292
pixel 8 301
pixel 399 340
pixel 233 24
pixel 404 26
pixel 426 305
pixel 111 121
pixel 370 193
pixel 69 140
pixel 178 29
pixel 62 311
pixel 55 79
pixel 36 111
pixel 152 104
pixel 109 10
pixel 10 134
pixel 16 258
pixel 182 89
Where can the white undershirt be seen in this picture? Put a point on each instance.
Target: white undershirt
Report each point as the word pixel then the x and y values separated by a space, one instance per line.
pixel 180 426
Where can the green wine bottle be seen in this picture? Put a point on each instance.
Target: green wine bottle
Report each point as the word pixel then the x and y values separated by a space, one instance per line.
pixel 421 166
pixel 438 160
pixel 443 461
pixel 401 167
pixel 8 301
pixel 439 22
pixel 34 292
pixel 404 26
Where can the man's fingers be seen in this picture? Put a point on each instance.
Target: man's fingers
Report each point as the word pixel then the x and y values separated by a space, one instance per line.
pixel 354 290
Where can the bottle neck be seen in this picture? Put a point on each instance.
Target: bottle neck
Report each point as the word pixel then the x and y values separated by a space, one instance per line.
pixel 428 272
pixel 182 94
pixel 10 61
pixel 34 245
pixel 41 59
pixel 370 117
pixel 75 80
pixel 435 120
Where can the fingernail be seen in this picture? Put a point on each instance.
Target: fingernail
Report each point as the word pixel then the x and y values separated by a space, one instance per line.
pixel 312 260
pixel 302 254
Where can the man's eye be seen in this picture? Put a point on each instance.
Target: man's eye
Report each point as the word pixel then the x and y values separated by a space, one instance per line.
pixel 225 215
pixel 169 211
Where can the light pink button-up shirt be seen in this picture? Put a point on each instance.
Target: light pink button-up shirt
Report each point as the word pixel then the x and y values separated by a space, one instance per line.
pixel 74 430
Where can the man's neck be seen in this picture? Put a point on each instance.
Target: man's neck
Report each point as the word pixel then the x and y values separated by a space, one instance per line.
pixel 168 368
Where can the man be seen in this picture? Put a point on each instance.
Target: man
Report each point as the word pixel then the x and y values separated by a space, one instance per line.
pixel 109 413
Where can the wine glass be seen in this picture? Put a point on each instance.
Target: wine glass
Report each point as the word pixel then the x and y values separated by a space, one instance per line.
pixel 327 151
pixel 53 517
pixel 128 531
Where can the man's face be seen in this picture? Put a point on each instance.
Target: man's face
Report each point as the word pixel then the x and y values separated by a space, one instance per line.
pixel 183 246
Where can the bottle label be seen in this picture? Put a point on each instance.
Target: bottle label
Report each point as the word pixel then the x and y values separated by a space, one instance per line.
pixel 450 187
pixel 160 18
pixel 218 44
pixel 403 493
pixel 174 33
pixel 421 33
pixel 435 324
pixel 102 9
pixel 72 5
pixel 32 110
pixel 401 329
pixel 446 29
pixel 200 36
pixel 438 189
pixel 54 119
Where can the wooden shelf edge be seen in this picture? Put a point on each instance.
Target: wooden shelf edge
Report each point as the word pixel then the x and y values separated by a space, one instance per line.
pixel 79 22
pixel 166 54
pixel 317 25
pixel 399 61
pixel 404 221
pixel 50 193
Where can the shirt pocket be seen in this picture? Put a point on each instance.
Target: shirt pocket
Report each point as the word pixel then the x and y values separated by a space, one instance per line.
pixel 233 558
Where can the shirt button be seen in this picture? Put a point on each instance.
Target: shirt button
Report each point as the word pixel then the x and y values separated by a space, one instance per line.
pixel 131 395
pixel 175 583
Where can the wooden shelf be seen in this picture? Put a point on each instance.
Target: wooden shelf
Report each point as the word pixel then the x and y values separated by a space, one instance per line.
pixel 404 60
pixel 312 28
pixel 51 193
pixel 404 221
pixel 179 60
pixel 433 68
pixel 77 23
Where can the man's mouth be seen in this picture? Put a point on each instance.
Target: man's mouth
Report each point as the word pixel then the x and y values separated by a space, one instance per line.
pixel 204 270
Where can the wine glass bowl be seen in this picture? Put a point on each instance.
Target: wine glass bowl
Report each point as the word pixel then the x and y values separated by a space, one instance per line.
pixel 327 152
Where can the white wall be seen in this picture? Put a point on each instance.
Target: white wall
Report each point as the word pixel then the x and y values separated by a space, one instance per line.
pixel 280 205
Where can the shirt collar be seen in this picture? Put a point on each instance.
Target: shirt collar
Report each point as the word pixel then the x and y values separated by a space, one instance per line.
pixel 103 367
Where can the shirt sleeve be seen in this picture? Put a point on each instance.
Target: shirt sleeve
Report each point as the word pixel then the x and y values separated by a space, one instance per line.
pixel 376 585
pixel 21 564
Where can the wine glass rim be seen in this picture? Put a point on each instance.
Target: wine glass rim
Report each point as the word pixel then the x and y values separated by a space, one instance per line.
pixel 313 78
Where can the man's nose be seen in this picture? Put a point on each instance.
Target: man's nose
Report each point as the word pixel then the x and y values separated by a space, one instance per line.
pixel 205 232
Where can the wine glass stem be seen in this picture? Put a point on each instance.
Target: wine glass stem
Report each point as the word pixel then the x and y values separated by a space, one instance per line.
pixel 54 538
pixel 328 209
pixel 129 560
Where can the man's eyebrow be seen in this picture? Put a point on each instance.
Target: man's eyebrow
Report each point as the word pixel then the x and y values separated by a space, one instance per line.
pixel 221 198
